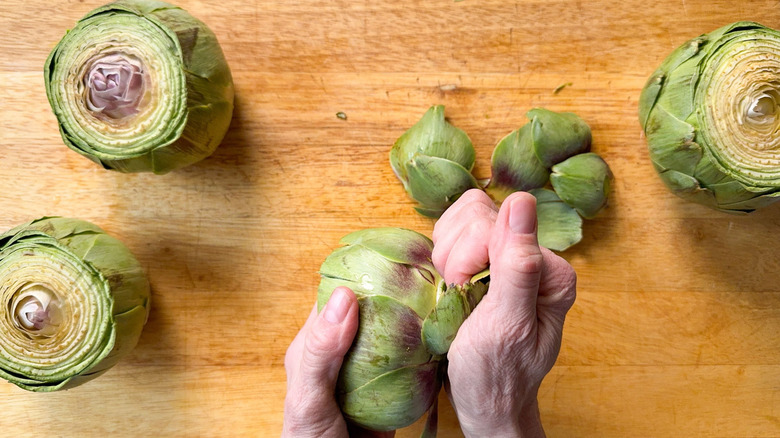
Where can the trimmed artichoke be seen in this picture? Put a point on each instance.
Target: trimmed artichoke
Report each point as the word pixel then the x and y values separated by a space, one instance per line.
pixel 433 160
pixel 711 114
pixel 408 318
pixel 521 160
pixel 140 86
pixel 583 182
pixel 74 302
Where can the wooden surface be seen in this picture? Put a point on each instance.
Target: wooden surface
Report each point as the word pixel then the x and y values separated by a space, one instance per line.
pixel 676 328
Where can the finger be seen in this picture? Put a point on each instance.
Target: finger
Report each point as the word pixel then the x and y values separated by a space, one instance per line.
pixel 295 350
pixel 470 228
pixel 558 286
pixel 325 344
pixel 516 262
pixel 469 254
pixel 473 199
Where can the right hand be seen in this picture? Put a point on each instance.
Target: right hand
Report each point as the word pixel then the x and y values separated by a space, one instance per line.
pixel 510 342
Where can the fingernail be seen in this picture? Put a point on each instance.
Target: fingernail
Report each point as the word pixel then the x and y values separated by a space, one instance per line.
pixel 337 307
pixel 522 215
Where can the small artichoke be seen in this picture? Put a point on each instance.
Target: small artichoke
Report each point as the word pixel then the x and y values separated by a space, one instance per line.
pixel 433 160
pixel 74 302
pixel 408 318
pixel 583 182
pixel 711 114
pixel 521 160
pixel 140 86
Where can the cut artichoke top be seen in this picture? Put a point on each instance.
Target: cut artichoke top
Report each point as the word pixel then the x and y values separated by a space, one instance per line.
pixel 712 118
pixel 140 85
pixel 738 97
pixel 73 301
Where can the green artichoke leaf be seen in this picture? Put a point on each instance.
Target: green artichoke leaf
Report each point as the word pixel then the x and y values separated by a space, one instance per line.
pixel 672 142
pixel 559 226
pixel 749 205
pixel 557 136
pixel 436 183
pixel 368 273
pixel 454 305
pixel 395 244
pixel 515 165
pixel 687 187
pixel 433 136
pixel 392 400
pixel 433 160
pixel 74 302
pixel 583 182
pixel 172 102
pixel 388 339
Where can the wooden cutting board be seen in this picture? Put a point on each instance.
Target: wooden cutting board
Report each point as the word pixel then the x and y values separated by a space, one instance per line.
pixel 676 328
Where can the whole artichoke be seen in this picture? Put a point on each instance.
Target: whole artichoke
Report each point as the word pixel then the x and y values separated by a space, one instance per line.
pixel 140 86
pixel 711 115
pixel 408 318
pixel 74 302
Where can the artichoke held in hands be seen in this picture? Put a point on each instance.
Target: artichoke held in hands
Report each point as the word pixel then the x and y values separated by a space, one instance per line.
pixel 408 318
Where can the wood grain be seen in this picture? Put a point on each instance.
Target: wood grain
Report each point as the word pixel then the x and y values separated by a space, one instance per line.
pixel 676 329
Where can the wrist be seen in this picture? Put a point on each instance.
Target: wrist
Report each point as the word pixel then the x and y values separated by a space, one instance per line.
pixel 527 424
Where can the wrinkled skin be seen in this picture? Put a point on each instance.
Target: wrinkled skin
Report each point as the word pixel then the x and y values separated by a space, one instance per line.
pixel 500 354
pixel 505 348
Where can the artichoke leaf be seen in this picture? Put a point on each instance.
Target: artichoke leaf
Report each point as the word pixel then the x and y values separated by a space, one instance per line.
pixel 392 400
pixel 388 339
pixel 558 136
pixel 559 226
pixel 515 166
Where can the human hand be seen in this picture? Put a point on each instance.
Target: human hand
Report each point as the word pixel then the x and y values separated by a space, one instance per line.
pixel 510 342
pixel 312 362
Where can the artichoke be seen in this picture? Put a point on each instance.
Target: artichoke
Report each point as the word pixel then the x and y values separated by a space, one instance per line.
pixel 408 318
pixel 583 182
pixel 140 86
pixel 74 302
pixel 521 160
pixel 433 160
pixel 711 117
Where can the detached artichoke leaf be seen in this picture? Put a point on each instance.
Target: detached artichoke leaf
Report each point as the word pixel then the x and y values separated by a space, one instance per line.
pixel 515 166
pixel 140 85
pixel 437 183
pixel 433 161
pixel 583 182
pixel 74 302
pixel 393 400
pixel 558 136
pixel 559 226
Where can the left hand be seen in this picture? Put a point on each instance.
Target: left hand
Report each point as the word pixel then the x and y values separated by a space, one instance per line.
pixel 312 362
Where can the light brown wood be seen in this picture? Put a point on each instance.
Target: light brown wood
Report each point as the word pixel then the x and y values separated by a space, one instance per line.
pixel 676 329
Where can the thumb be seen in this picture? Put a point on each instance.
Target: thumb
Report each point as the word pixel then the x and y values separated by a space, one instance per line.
pixel 516 260
pixel 327 342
